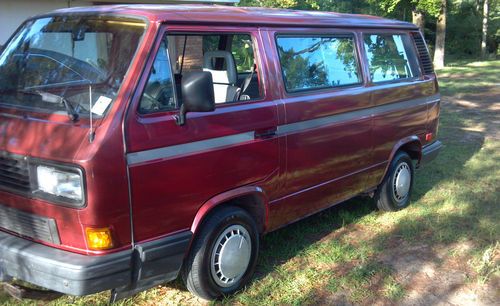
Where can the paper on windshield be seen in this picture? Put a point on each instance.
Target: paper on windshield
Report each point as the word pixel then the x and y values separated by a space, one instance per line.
pixel 101 105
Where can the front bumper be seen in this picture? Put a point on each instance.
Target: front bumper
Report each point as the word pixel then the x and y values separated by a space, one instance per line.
pixel 430 152
pixel 77 274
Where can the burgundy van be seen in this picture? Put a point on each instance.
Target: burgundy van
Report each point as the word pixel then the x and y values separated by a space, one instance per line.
pixel 139 143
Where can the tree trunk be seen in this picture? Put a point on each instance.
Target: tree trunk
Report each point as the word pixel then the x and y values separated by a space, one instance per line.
pixel 440 37
pixel 418 20
pixel 485 29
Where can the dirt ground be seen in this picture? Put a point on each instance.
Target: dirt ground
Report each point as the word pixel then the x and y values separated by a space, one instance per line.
pixel 482 107
pixel 429 275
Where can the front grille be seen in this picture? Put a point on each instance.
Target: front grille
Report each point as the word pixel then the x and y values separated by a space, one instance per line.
pixel 14 173
pixel 29 225
pixel 423 53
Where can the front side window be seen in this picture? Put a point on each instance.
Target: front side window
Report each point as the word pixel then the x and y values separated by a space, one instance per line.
pixel 388 59
pixel 159 93
pixel 227 57
pixel 70 58
pixel 241 47
pixel 317 62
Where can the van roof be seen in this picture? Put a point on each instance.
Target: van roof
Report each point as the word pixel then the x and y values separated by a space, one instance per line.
pixel 220 14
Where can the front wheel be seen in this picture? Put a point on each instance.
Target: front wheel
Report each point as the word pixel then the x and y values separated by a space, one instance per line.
pixel 224 254
pixel 395 191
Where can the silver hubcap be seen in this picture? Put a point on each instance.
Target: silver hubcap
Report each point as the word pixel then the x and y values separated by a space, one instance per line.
pixel 231 255
pixel 401 182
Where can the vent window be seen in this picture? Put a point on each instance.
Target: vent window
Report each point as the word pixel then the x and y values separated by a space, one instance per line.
pixel 423 53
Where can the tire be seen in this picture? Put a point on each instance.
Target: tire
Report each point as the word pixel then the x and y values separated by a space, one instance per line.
pixel 401 172
pixel 210 272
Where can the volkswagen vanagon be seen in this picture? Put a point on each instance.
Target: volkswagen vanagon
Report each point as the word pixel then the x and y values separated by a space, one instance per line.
pixel 143 142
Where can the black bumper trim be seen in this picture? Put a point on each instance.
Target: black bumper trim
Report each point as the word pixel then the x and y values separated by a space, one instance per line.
pixel 163 256
pixel 158 261
pixel 77 274
pixel 430 152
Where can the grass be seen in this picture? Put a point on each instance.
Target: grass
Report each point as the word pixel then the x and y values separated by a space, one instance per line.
pixel 469 77
pixel 354 254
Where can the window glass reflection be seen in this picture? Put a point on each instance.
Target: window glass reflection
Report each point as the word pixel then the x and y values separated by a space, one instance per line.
pixel 387 58
pixel 317 62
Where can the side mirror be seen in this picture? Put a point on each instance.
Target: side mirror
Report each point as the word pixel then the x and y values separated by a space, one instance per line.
pixel 197 91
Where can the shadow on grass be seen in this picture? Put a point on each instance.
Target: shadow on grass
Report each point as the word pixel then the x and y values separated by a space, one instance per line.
pixel 475 77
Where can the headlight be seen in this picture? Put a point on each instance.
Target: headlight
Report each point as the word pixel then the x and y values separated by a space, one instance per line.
pixel 60 183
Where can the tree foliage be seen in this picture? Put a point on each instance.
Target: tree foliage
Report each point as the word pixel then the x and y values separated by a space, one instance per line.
pixel 464 18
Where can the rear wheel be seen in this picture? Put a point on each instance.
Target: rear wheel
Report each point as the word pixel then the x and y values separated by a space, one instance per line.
pixel 395 191
pixel 224 254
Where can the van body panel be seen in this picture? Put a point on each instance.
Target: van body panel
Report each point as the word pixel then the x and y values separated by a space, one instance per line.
pixel 220 169
pixel 410 119
pixel 47 136
pixel 153 182
pixel 307 202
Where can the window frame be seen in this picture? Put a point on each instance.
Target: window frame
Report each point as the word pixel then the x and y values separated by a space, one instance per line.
pixel 310 34
pixel 407 44
pixel 166 30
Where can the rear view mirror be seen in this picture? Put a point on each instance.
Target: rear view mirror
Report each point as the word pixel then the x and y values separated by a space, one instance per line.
pixel 197 94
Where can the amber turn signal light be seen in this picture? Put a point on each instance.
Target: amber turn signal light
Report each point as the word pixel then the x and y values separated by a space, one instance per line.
pixel 99 238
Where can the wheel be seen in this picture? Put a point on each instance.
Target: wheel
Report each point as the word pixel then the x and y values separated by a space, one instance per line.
pixel 224 254
pixel 395 191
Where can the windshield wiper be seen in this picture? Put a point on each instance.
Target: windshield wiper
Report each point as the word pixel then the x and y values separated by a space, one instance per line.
pixel 53 98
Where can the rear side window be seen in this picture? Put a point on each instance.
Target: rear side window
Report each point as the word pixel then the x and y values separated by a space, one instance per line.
pixel 388 57
pixel 317 62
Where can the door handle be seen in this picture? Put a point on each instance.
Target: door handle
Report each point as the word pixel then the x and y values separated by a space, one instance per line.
pixel 266 133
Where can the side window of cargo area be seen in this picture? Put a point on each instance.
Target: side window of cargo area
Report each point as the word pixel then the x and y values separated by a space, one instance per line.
pixel 317 62
pixel 388 57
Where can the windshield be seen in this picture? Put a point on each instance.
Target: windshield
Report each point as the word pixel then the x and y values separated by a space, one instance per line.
pixel 72 57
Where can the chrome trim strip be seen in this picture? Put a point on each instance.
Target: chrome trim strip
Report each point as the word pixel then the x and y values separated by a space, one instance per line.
pixel 357 114
pixel 187 148
pixel 219 142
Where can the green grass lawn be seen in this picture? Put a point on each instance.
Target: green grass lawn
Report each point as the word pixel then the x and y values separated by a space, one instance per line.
pixel 444 245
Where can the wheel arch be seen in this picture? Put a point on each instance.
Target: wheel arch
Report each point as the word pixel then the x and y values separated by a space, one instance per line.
pixel 250 198
pixel 411 145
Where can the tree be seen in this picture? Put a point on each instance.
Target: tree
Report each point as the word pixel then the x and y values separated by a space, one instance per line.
pixel 270 3
pixel 440 37
pixel 485 29
pixel 419 9
pixel 418 19
pixel 341 6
